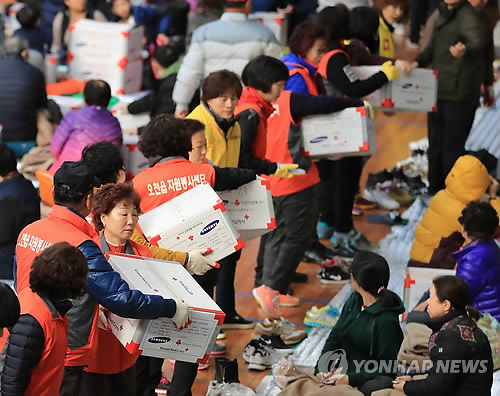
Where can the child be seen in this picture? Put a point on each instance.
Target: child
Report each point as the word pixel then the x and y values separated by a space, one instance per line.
pixel 29 18
pixel 390 12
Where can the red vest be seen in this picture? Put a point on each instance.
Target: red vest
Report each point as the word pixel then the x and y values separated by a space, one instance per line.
pixel 302 70
pixel 323 64
pixel 109 356
pixel 259 144
pixel 62 225
pixel 46 378
pixel 166 180
pixel 278 151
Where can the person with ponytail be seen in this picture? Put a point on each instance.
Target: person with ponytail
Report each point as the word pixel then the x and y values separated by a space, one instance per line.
pixel 368 327
pixel 455 338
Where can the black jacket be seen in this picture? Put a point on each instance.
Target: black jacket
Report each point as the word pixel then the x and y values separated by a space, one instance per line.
pixel 455 337
pixel 158 102
pixel 22 93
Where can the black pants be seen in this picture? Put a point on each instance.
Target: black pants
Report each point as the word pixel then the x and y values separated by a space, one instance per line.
pixel 120 384
pixel 224 295
pixel 338 187
pixel 185 373
pixel 147 375
pixel 72 381
pixel 448 129
pixel 282 249
pixel 376 384
pixel 419 12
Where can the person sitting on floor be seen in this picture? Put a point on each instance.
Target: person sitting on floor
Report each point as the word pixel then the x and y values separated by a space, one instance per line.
pixel 455 338
pixel 368 326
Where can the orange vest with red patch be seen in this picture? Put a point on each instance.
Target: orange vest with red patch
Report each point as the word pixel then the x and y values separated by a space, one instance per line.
pixel 304 72
pixel 323 64
pixel 169 179
pixel 259 144
pixel 47 376
pixel 62 225
pixel 109 356
pixel 279 125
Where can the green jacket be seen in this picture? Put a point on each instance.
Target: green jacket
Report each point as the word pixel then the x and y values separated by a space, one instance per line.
pixel 459 78
pixel 371 334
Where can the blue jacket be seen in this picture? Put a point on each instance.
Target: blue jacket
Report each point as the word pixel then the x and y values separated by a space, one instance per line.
pixel 296 82
pixel 148 17
pixel 479 265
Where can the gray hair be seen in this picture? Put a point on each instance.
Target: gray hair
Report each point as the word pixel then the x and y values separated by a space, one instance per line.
pixel 15 45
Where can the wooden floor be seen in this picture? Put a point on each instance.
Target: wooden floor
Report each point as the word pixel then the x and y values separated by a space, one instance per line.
pixel 393 135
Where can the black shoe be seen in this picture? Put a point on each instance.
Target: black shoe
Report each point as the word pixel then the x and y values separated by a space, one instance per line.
pixel 299 277
pixel 237 322
pixel 314 255
pixel 226 371
pixel 333 275
pixel 277 343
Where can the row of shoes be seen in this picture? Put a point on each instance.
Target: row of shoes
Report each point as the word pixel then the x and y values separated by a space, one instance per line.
pixel 322 317
pixel 281 328
pixel 262 352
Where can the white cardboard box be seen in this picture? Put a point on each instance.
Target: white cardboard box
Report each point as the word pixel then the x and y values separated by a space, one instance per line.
pixel 250 208
pixel 194 219
pixel 67 103
pixel 276 23
pixel 350 132
pixel 133 160
pixel 417 281
pixel 416 92
pixel 160 338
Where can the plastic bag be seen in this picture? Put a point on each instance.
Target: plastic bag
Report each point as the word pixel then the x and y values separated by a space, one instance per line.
pixel 286 369
pixel 236 389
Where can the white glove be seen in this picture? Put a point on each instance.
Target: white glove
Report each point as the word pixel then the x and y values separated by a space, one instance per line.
pixel 182 317
pixel 198 264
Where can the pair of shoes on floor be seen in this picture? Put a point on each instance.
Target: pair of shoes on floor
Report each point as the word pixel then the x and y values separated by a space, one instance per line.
pixel 347 244
pixel 226 372
pixel 322 317
pixel 282 328
pixel 263 351
pixel 333 276
pixel 270 300
pixel 237 322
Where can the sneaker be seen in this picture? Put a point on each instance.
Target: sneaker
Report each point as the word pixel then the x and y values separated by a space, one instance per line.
pixel 342 249
pixel 163 386
pixel 268 299
pixel 288 301
pixel 324 230
pixel 357 211
pixel 282 327
pixel 299 277
pixel 364 203
pixel 338 262
pixel 322 317
pixel 237 322
pixel 277 343
pixel 219 349
pixel 259 355
pixel 221 335
pixel 381 196
pixel 333 275
pixel 361 242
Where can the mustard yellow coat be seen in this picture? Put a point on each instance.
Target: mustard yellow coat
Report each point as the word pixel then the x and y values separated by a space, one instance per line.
pixel 222 150
pixel 385 39
pixel 467 181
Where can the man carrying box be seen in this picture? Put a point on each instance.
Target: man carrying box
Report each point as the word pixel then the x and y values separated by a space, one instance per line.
pixel 73 196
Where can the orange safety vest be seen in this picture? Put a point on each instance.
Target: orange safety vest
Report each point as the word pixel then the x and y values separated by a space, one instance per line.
pixel 62 225
pixel 109 356
pixel 259 144
pixel 168 179
pixel 47 376
pixel 304 72
pixel 323 64
pixel 280 123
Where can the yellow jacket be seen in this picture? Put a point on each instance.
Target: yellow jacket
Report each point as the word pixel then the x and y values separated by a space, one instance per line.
pixel 222 150
pixel 385 39
pixel 467 181
pixel 160 253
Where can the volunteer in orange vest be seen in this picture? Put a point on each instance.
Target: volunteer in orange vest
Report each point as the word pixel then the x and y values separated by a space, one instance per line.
pixel 112 368
pixel 73 196
pixel 166 144
pixel 340 179
pixel 294 198
pixel 37 344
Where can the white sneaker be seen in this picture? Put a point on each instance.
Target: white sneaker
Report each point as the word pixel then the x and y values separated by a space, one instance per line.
pixel 382 198
pixel 282 327
pixel 259 355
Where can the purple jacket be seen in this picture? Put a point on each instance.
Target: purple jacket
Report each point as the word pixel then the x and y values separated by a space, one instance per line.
pixel 479 265
pixel 81 127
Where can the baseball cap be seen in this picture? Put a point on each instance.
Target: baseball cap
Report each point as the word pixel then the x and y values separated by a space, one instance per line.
pixel 77 176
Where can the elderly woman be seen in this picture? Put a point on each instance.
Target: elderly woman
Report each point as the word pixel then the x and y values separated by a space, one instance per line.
pixel 36 347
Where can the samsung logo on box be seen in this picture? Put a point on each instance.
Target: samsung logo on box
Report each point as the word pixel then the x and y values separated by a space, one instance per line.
pixel 81 44
pixel 209 227
pixel 407 85
pixel 319 139
pixel 158 340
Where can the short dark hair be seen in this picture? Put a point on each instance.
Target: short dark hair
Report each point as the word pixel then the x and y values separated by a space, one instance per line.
pixel 166 55
pixel 97 93
pixel 480 220
pixel 264 71
pixel 363 24
pixel 105 160
pixel 218 83
pixel 108 196
pixel 8 162
pixel 59 272
pixel 303 38
pixel 28 16
pixel 193 126
pixel 335 21
pixel 165 136
pixel 9 314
